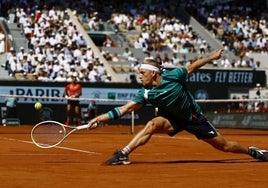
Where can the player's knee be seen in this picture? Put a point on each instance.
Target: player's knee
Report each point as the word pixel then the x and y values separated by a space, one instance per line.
pixel 154 126
pixel 150 126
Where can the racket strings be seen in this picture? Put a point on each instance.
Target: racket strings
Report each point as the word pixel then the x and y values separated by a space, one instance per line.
pixel 48 134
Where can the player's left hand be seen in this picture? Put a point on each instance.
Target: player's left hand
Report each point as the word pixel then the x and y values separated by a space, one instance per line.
pixel 218 54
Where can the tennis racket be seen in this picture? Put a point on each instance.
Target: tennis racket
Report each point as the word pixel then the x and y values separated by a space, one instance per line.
pixel 48 134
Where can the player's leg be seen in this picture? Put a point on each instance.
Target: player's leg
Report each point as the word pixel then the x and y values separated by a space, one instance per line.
pixel 68 113
pixel 156 125
pixel 77 114
pixel 219 142
pixel 231 146
pixel 204 130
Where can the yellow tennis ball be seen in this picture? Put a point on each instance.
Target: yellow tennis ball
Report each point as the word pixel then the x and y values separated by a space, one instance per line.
pixel 38 106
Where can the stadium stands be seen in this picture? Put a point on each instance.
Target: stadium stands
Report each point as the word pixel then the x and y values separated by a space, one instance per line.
pixel 58 44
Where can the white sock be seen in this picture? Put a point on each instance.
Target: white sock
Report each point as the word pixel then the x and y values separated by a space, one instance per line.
pixel 126 150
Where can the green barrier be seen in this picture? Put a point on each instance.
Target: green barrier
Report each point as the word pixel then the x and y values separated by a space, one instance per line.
pixel 4 27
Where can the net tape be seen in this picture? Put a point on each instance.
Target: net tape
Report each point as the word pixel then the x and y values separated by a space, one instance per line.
pixel 63 98
pixel 124 101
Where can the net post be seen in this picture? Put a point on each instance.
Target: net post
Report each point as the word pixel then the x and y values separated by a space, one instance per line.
pixel 132 122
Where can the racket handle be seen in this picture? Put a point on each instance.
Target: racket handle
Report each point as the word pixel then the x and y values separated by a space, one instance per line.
pixel 82 127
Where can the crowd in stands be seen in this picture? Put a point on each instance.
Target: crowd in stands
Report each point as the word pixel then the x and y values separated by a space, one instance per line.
pixel 241 28
pixel 161 32
pixel 56 49
pixel 246 106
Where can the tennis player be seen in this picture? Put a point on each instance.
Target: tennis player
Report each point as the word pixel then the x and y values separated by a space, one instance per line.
pixel 177 110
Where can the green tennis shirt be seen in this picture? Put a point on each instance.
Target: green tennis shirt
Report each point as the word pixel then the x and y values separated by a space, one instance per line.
pixel 171 96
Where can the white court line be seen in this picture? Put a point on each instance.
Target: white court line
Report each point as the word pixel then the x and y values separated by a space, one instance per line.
pixel 78 150
pixel 29 154
pixel 64 148
pixel 84 151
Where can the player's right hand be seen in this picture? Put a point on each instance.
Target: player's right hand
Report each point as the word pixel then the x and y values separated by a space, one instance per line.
pixel 93 125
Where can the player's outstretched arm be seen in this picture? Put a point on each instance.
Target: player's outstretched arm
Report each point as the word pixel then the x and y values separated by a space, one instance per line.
pixel 114 114
pixel 203 61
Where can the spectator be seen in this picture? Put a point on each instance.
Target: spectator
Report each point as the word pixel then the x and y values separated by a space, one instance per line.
pixel 93 75
pixel 11 104
pixel 175 48
pixel 132 58
pixel 81 42
pixel 203 47
pixel 9 56
pixel 225 62
pixel 261 107
pixel 126 53
pixel 108 42
pixel 189 45
pixel 21 53
pixel 175 59
pixel 108 78
pixel 60 77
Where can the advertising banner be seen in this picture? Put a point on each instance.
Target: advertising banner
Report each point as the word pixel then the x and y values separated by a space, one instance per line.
pixel 203 84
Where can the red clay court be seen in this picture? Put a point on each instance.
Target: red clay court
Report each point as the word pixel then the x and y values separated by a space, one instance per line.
pixel 180 161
